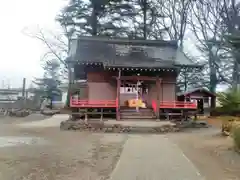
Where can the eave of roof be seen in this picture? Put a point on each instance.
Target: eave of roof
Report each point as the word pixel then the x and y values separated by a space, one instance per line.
pixel 131 68
pixel 195 90
pixel 189 66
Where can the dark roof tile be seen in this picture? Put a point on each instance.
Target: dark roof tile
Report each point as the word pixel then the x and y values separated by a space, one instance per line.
pixel 130 53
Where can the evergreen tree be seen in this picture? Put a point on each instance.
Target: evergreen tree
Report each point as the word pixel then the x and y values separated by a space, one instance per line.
pixel 48 86
pixel 96 17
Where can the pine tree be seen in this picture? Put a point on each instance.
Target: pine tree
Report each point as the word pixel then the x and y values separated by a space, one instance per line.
pixel 48 86
pixel 96 17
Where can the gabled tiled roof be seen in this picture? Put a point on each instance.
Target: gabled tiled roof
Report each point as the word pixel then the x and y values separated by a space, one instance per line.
pixel 129 53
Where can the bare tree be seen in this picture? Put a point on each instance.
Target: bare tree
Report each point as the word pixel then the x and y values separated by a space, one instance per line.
pixel 231 24
pixel 56 45
pixel 211 21
pixel 172 23
pixel 205 21
pixel 172 17
pixel 144 19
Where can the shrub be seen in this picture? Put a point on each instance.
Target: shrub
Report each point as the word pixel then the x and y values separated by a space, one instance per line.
pixel 230 102
pixel 228 123
pixel 227 127
pixel 236 137
pixel 218 111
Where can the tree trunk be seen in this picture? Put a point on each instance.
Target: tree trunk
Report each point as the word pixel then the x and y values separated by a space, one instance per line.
pixel 145 19
pixel 213 87
pixel 67 103
pixel 185 80
pixel 94 20
pixel 213 81
pixel 51 104
pixel 236 74
pixel 213 84
pixel 213 71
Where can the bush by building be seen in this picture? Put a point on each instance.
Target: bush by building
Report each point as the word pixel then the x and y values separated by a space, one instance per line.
pixel 236 137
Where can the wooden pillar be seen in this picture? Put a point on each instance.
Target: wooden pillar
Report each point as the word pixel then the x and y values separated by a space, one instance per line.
pixel 101 117
pixel 158 82
pixel 71 77
pixel 118 94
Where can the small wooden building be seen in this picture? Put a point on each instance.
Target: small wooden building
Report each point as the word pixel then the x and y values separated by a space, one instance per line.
pixel 204 99
pixel 137 76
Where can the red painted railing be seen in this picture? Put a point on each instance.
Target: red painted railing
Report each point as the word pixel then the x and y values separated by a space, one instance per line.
pixel 74 102
pixel 174 105
pixel 178 104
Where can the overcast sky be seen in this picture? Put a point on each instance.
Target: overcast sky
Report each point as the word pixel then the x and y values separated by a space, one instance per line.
pixel 20 55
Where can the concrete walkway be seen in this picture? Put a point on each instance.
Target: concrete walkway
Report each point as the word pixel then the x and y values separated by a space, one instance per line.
pixel 153 157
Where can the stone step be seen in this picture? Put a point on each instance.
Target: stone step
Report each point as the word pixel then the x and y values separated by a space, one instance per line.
pixel 140 120
pixel 131 112
pixel 140 112
pixel 137 117
pixel 134 110
pixel 137 114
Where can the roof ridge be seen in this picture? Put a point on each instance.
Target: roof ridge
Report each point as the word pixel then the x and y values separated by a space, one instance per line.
pixel 172 43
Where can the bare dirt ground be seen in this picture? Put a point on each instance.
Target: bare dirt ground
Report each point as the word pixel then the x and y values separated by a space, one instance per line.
pixel 14 120
pixel 67 155
pixel 211 153
pixel 63 155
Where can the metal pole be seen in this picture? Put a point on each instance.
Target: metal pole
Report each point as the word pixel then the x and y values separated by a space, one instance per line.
pixel 23 93
pixel 137 109
pixel 24 88
pixel 118 94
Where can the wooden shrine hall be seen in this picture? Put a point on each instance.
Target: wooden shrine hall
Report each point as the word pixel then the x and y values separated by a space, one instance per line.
pixel 126 78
